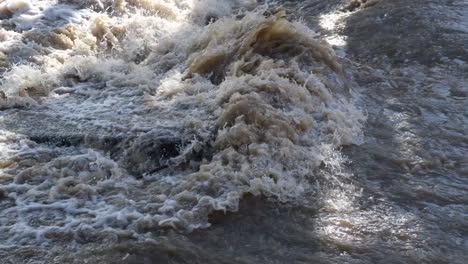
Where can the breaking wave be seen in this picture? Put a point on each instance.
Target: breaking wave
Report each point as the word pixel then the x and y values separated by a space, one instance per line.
pixel 201 103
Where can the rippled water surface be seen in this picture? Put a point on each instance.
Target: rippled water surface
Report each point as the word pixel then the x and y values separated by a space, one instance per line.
pixel 199 131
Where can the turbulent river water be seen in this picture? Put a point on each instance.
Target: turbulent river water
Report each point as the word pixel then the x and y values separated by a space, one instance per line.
pixel 242 131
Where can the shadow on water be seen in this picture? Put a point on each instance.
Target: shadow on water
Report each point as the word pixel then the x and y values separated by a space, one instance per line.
pixel 399 32
pixel 260 232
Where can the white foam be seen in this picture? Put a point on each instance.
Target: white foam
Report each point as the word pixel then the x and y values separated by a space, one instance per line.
pixel 265 120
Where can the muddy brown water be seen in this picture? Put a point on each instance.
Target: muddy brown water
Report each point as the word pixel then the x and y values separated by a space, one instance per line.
pixel 232 132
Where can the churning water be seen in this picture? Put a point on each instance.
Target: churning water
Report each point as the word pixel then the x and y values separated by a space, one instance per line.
pixel 203 131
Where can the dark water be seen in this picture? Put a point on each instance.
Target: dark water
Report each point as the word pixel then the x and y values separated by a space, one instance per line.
pixel 231 132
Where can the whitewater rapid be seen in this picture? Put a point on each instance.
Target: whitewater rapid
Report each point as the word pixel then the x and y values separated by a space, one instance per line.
pixel 233 131
pixel 199 107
